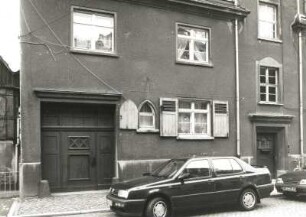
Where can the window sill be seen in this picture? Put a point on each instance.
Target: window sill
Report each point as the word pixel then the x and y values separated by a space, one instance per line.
pixel 96 53
pixel 209 64
pixel 270 40
pixel 194 137
pixel 270 104
pixel 143 130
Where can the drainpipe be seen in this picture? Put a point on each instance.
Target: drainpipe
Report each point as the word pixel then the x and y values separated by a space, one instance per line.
pixel 237 85
pixel 301 107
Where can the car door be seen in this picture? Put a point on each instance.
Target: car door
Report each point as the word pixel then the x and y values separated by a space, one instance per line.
pixel 228 180
pixel 196 190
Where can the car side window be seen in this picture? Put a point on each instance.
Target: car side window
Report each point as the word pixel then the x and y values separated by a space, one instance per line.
pixel 226 166
pixel 198 168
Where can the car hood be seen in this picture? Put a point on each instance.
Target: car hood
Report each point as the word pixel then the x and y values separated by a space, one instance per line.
pixel 293 176
pixel 146 180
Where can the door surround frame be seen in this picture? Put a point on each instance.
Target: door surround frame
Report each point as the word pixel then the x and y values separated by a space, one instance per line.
pixel 81 97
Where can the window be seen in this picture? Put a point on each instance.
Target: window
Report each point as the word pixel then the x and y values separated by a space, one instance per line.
pixel 194 118
pixel 192 44
pixel 267 21
pixel 93 31
pixel 226 166
pixel 146 116
pixel 268 84
pixel 199 168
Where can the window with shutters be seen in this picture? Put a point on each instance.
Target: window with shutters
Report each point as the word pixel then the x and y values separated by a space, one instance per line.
pixel 194 119
pixel 146 117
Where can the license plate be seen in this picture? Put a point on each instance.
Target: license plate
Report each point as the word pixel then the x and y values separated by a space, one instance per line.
pixel 109 202
pixel 291 189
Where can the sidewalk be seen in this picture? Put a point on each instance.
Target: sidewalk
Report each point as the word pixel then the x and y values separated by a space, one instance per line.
pixel 61 204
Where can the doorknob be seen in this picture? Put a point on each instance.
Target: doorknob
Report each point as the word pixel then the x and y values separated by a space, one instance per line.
pixel 93 162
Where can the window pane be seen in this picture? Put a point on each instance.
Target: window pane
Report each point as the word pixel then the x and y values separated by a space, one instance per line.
pixel 201 34
pixel 82 36
pixel 146 108
pixel 184 123
pixel 201 105
pixel 200 49
pixel 272 98
pixel 262 97
pixel 83 18
pixel 267 12
pixel 200 123
pixel 145 121
pixel 262 79
pixel 236 167
pixel 262 89
pixel 103 39
pixel 222 166
pixel 272 72
pixel 198 168
pixel 184 31
pixel 262 71
pixel 272 80
pixel 184 105
pixel 266 30
pixel 272 90
pixel 105 20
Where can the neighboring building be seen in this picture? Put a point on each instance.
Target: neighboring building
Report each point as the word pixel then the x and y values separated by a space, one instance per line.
pixel 9 139
pixel 112 88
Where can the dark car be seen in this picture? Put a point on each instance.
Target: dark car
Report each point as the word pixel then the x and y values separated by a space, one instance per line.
pixel 292 183
pixel 191 183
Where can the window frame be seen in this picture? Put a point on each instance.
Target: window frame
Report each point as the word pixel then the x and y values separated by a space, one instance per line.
pixel 193 111
pixel 208 53
pixel 152 128
pixel 277 22
pixel 92 12
pixel 227 174
pixel 210 169
pixel 267 85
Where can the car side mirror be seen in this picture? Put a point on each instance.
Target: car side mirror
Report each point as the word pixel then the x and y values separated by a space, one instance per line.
pixel 183 176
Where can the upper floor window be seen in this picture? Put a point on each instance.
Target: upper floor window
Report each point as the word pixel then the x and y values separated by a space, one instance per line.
pixel 269 84
pixel 192 44
pixel 267 21
pixel 194 118
pixel 93 31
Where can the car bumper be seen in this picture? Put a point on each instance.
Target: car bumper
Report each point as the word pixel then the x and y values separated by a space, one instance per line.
pixel 291 188
pixel 265 190
pixel 126 207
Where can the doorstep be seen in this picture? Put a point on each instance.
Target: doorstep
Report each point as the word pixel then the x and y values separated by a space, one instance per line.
pixel 61 204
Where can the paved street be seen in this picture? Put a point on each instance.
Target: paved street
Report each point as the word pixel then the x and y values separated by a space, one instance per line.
pixel 274 206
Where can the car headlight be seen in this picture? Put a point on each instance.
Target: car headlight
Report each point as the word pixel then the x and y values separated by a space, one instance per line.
pixel 303 182
pixel 123 194
pixel 279 181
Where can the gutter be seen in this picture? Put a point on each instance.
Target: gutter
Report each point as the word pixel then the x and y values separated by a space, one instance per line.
pixel 237 80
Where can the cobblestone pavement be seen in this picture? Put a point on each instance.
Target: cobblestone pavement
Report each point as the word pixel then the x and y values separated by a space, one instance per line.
pixel 277 206
pixel 63 203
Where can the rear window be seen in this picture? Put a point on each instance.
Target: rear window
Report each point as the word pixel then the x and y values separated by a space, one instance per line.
pixel 226 166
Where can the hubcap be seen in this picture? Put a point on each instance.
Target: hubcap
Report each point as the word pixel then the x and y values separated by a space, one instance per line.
pixel 160 209
pixel 249 199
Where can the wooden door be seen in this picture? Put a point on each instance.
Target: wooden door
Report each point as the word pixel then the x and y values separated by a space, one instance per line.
pixel 266 151
pixel 79 160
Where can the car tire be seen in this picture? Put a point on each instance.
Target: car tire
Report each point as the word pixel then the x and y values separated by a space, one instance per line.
pixel 289 195
pixel 157 207
pixel 248 199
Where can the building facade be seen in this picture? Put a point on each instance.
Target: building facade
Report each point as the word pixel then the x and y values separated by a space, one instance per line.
pixel 112 88
pixel 9 139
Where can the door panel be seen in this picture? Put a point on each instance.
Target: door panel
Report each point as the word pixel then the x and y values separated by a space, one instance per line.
pixel 78 156
pixel 265 150
pixel 105 156
pixel 51 160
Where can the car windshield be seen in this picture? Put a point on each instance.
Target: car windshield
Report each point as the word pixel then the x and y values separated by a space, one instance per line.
pixel 169 169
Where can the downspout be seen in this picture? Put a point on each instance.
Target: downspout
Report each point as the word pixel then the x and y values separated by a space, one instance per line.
pixel 301 106
pixel 237 85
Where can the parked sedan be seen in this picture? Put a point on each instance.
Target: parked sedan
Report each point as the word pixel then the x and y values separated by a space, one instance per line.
pixel 292 183
pixel 191 183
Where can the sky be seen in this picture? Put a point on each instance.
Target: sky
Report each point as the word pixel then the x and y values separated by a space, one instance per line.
pixel 9 42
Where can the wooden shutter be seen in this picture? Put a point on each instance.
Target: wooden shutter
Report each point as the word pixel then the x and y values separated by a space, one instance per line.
pixel 220 119
pixel 168 117
pixel 128 115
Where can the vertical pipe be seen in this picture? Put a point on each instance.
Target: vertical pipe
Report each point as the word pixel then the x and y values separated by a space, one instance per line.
pixel 237 85
pixel 301 106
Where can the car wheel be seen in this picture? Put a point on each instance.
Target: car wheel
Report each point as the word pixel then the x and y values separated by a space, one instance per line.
pixel 157 207
pixel 248 199
pixel 289 195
